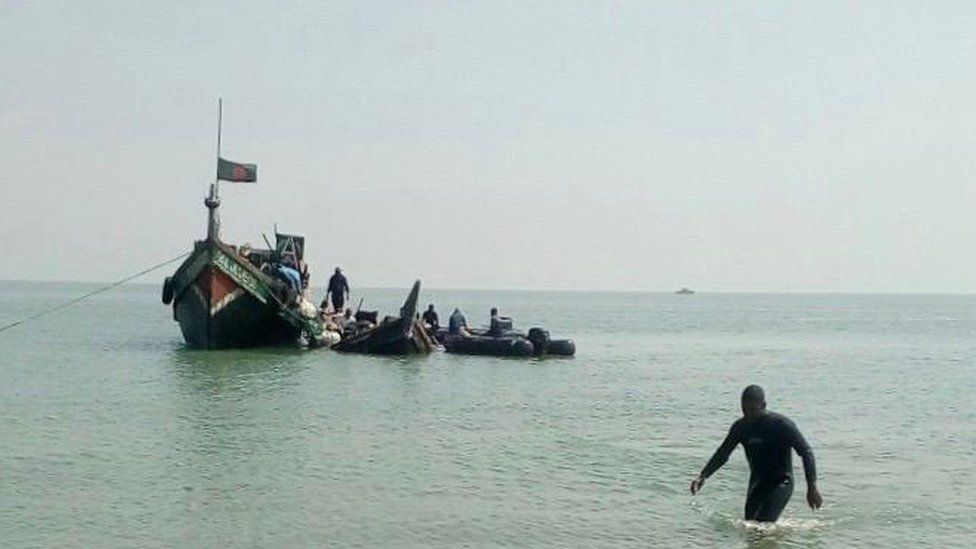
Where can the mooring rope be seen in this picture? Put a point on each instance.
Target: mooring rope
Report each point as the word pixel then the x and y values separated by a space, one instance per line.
pixel 90 294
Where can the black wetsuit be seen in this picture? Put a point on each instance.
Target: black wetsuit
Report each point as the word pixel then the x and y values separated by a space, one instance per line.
pixel 430 317
pixel 338 287
pixel 769 441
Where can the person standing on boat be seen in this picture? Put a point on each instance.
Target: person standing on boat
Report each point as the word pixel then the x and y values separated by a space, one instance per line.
pixel 338 289
pixel 769 440
pixel 430 318
pixel 457 324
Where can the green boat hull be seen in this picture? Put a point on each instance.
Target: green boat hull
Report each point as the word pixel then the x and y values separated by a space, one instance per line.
pixel 221 301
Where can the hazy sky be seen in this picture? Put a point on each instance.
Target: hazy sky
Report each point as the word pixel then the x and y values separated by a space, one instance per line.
pixel 725 146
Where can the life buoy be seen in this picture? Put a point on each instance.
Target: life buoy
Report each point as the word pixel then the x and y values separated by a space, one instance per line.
pixel 168 290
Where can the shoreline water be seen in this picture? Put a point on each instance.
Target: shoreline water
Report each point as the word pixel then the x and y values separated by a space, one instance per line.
pixel 115 434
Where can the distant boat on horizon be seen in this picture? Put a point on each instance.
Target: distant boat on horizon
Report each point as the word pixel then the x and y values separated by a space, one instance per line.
pixel 685 291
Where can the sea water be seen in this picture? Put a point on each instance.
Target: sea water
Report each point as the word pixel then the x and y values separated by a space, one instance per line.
pixel 113 434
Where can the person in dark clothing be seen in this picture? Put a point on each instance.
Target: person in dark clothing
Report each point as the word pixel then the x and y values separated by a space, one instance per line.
pixel 430 318
pixel 494 324
pixel 338 289
pixel 769 440
pixel 498 325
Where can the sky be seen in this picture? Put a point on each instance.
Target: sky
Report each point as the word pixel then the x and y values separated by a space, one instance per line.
pixel 635 146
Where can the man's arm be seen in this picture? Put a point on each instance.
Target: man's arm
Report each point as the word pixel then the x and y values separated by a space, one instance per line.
pixel 719 458
pixel 814 499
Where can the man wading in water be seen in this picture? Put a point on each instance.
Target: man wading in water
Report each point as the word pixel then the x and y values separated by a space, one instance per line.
pixel 768 439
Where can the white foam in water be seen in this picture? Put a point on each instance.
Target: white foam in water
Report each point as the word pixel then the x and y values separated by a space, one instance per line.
pixel 785 525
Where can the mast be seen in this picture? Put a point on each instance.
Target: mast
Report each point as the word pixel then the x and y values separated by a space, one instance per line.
pixel 212 202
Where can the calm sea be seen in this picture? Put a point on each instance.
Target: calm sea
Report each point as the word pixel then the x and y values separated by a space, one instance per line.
pixel 112 434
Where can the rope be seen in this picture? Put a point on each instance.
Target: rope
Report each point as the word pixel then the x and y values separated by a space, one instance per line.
pixel 90 294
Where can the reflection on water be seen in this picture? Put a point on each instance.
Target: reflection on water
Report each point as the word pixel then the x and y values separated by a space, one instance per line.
pixel 211 371
pixel 240 425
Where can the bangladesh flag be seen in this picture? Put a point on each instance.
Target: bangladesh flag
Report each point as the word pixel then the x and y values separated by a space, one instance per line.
pixel 234 171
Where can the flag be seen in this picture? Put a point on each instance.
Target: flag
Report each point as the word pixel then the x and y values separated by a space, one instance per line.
pixel 234 171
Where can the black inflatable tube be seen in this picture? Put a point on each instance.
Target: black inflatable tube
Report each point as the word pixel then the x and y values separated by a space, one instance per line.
pixel 488 346
pixel 561 347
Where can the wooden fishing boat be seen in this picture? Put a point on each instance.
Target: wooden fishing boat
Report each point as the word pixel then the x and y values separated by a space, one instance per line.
pixel 222 299
pixel 401 335
pixel 226 297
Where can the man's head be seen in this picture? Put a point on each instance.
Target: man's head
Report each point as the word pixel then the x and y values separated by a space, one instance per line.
pixel 430 307
pixel 348 313
pixel 753 402
pixel 494 311
pixel 338 270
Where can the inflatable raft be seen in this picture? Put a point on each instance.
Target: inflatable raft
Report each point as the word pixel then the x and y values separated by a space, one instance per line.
pixel 535 343
pixel 488 346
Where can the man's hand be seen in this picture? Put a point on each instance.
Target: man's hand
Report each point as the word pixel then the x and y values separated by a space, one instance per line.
pixel 696 485
pixel 813 497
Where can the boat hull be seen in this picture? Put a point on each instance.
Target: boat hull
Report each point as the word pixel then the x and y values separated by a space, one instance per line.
pixel 221 301
pixel 394 338
pixel 400 336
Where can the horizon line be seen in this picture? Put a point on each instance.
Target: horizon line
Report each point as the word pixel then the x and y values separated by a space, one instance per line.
pixel 562 290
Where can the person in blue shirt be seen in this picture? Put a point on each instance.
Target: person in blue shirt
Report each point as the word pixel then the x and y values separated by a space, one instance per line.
pixel 291 276
pixel 457 324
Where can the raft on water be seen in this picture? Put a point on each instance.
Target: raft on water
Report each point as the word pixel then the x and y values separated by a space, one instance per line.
pixel 489 346
pixel 514 344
